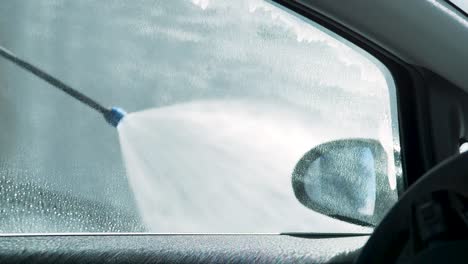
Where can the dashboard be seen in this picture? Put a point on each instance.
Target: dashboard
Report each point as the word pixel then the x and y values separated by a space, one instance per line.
pixel 160 248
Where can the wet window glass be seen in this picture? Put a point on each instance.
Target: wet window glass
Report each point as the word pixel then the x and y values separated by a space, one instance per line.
pixel 223 99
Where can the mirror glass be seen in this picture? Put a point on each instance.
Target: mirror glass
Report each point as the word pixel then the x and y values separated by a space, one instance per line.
pixel 346 179
pixel 343 181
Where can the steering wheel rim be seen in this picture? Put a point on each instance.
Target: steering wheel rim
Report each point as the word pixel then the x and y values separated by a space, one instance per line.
pixel 390 235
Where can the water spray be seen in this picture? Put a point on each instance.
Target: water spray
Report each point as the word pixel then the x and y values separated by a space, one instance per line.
pixel 112 115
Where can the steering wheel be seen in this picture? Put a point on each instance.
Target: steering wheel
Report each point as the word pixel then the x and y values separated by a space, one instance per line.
pixel 418 225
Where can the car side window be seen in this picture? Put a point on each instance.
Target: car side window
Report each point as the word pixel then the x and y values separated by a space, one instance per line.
pixel 224 99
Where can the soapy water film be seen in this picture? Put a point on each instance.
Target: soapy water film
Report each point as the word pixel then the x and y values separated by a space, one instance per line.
pixel 234 110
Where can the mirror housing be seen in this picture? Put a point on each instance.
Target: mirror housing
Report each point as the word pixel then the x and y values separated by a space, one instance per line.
pixel 346 179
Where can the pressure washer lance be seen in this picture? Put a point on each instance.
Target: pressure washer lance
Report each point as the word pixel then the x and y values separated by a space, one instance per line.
pixel 113 115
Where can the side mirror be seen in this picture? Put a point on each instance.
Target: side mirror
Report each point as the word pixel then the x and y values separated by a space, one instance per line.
pixel 347 180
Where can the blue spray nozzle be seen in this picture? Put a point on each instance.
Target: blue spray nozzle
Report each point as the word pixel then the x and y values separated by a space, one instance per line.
pixel 114 116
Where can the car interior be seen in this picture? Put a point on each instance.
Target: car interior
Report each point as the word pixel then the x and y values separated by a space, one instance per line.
pixel 424 46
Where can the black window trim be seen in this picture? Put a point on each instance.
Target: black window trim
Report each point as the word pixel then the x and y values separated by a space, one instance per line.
pixel 459 9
